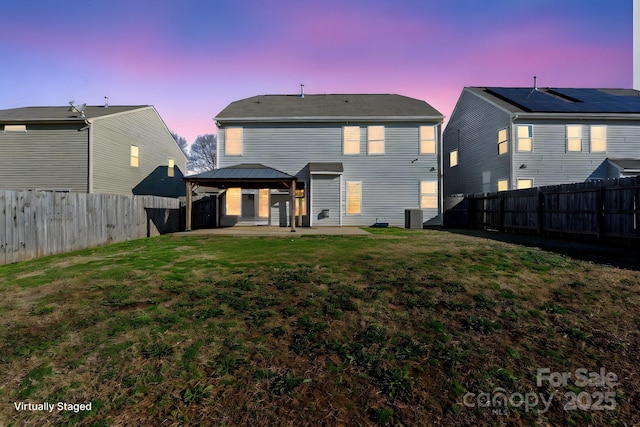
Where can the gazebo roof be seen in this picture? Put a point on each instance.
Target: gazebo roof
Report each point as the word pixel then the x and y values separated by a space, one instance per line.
pixel 246 175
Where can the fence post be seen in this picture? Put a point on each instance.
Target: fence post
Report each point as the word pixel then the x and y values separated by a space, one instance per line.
pixel 501 213
pixel 540 212
pixel 472 211
pixel 600 211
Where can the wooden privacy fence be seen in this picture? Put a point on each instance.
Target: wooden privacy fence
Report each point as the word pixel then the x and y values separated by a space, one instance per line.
pixel 601 210
pixel 35 223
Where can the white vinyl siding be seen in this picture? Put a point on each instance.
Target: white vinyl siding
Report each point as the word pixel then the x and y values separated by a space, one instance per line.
pixel 427 139
pixel 574 138
pixel 233 141
pixel 428 194
pixel 351 140
pixel 375 140
pixel 598 139
pixel 525 138
pixel 354 197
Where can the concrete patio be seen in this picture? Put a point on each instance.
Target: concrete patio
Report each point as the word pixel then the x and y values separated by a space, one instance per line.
pixel 277 231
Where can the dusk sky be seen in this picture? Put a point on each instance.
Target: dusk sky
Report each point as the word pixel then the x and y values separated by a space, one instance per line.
pixel 191 58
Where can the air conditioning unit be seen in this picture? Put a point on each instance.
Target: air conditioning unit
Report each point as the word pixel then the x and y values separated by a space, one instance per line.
pixel 413 218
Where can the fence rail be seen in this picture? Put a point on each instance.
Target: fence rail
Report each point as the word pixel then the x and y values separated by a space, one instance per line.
pixel 601 210
pixel 36 223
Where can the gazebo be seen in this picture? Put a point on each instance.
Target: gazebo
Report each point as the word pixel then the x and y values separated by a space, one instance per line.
pixel 246 176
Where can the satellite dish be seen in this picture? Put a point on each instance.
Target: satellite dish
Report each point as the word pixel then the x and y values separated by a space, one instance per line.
pixel 77 108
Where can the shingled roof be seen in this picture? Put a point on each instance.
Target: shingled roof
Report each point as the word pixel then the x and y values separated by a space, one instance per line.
pixel 47 114
pixel 246 175
pixel 333 107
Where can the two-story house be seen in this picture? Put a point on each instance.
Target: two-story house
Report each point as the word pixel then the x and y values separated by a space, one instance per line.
pixel 502 138
pixel 353 160
pixel 89 149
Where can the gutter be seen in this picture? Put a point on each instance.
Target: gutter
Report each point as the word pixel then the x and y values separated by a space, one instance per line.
pixel 89 127
pixel 575 116
pixel 327 119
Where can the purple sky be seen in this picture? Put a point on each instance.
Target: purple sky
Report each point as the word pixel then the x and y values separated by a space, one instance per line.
pixel 191 58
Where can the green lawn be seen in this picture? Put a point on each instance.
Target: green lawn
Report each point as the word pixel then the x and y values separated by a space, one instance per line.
pixel 402 327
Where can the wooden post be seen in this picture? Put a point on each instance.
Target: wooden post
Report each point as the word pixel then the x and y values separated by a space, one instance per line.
pixel 540 213
pixel 472 211
pixel 501 213
pixel 600 212
pixel 292 205
pixel 189 205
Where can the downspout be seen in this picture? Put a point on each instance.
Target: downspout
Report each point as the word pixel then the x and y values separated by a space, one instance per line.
pixel 341 197
pixel 89 128
pixel 512 152
pixel 440 175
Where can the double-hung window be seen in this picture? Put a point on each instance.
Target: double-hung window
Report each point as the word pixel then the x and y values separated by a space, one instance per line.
pixel 427 139
pixel 574 138
pixel 598 139
pixel 503 143
pixel 375 140
pixel 453 158
pixel 135 156
pixel 233 141
pixel 525 138
pixel 428 194
pixel 351 140
pixel 354 197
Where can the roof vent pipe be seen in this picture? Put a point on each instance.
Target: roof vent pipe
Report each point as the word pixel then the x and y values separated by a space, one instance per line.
pixel 106 102
pixel 535 86
pixel 301 90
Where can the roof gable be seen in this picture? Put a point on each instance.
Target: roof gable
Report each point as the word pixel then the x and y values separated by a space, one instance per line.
pixel 327 107
pixel 30 114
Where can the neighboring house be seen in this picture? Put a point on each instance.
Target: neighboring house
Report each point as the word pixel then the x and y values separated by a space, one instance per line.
pixel 86 149
pixel 508 138
pixel 355 160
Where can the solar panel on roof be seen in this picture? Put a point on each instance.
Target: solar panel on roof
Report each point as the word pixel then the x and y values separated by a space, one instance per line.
pixel 568 100
pixel 532 100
